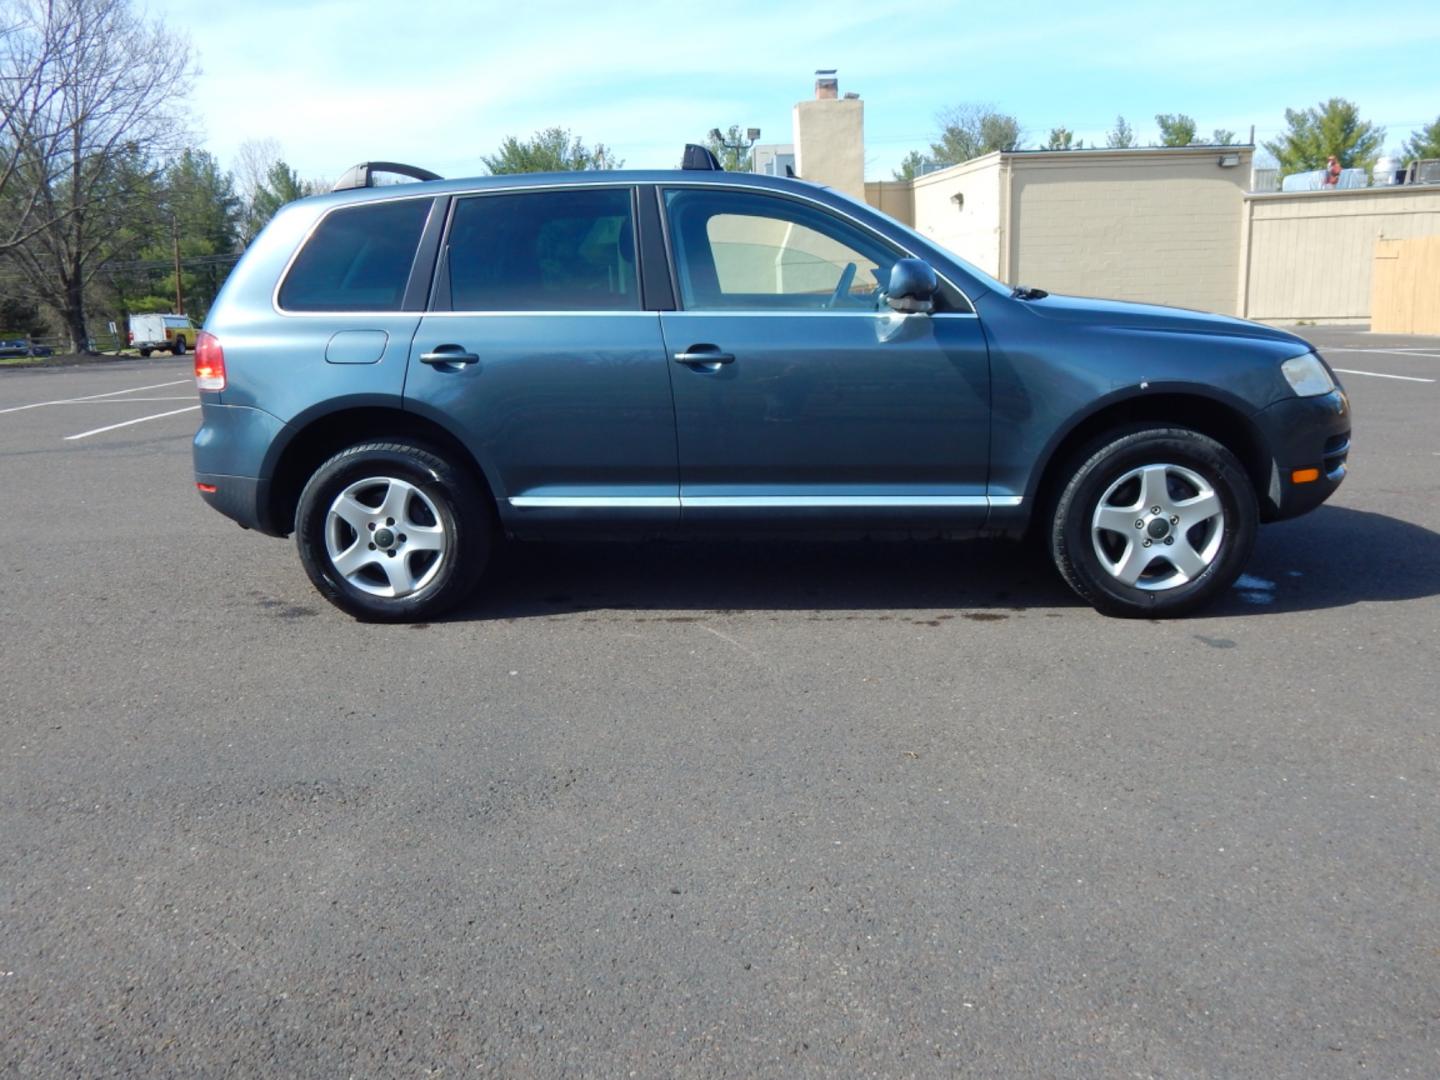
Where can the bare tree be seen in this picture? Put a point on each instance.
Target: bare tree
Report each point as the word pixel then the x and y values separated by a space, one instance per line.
pixel 104 117
pixel 253 162
pixel 27 120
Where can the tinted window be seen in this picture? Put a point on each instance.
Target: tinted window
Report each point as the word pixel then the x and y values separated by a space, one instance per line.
pixel 544 251
pixel 742 250
pixel 358 259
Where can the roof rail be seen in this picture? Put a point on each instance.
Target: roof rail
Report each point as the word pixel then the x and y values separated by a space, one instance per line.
pixel 363 175
pixel 700 159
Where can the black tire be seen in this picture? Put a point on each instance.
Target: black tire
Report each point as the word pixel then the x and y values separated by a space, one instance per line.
pixel 179 349
pixel 1168 457
pixel 146 353
pixel 438 490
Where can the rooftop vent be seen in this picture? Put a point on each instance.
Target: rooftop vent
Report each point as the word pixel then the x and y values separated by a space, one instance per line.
pixel 700 159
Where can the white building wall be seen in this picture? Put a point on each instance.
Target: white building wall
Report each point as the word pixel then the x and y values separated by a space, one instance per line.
pixel 972 226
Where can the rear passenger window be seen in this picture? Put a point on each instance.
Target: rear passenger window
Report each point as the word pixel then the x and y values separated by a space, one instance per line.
pixel 568 250
pixel 358 259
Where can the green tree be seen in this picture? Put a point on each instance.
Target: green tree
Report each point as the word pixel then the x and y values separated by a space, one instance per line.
pixel 1223 137
pixel 282 185
pixel 732 148
pixel 1176 129
pixel 911 166
pixel 1062 138
pixel 1332 127
pixel 555 149
pixel 1424 143
pixel 199 211
pixel 968 131
pixel 1122 138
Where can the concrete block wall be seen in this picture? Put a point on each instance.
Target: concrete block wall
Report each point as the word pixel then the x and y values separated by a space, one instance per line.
pixel 960 208
pixel 1154 226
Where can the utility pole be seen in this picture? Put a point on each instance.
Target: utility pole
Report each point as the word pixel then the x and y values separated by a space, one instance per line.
pixel 179 297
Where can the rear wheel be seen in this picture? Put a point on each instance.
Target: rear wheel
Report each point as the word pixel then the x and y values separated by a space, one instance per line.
pixel 146 353
pixel 390 531
pixel 1154 522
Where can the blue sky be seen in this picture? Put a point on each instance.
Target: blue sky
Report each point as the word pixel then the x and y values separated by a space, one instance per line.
pixel 437 83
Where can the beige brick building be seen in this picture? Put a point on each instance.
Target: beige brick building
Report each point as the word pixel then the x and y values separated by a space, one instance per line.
pixel 1160 225
pixel 1167 225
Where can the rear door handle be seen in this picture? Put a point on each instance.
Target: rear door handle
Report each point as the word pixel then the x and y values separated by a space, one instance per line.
pixel 449 354
pixel 704 354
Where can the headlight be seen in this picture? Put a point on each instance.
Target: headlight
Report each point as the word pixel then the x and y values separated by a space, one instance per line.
pixel 1307 375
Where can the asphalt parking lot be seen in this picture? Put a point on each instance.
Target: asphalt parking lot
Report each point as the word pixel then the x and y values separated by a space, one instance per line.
pixel 678 810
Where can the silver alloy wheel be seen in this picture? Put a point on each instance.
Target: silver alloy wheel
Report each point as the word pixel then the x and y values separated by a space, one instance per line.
pixel 1167 528
pixel 385 537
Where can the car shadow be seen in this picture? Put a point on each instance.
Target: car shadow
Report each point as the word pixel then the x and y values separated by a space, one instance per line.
pixel 1333 557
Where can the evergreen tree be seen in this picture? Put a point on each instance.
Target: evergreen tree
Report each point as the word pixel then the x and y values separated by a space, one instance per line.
pixel 1332 127
pixel 555 149
pixel 1176 129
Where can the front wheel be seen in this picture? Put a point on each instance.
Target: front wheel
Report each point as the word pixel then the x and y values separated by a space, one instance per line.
pixel 392 532
pixel 1154 522
pixel 179 349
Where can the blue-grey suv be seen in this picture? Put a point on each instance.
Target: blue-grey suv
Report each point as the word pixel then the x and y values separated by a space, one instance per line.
pixel 401 374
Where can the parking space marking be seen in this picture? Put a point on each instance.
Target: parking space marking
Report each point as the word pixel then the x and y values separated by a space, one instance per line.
pixel 1382 375
pixel 93 397
pixel 127 423
pixel 128 400
pixel 1428 354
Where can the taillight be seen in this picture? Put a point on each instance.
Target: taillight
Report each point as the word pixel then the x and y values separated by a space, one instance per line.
pixel 209 362
pixel 132 337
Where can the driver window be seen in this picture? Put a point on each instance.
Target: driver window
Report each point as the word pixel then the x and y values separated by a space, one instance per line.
pixel 740 250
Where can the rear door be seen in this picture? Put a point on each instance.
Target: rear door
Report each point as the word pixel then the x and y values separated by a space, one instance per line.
pixel 798 393
pixel 538 354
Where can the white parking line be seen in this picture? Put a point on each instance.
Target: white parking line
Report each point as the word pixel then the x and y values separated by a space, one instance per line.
pixel 127 423
pixel 1381 375
pixel 1428 354
pixel 92 397
pixel 129 400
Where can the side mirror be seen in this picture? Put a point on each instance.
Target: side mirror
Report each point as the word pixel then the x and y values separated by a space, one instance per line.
pixel 912 286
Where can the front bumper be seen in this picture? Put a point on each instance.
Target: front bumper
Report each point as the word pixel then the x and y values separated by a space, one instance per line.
pixel 1304 433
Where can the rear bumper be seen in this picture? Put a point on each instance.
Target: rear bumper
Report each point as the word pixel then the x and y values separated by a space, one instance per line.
pixel 1302 434
pixel 243 499
pixel 229 451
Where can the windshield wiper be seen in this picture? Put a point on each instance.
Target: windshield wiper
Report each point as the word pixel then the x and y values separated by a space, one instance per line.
pixel 1025 292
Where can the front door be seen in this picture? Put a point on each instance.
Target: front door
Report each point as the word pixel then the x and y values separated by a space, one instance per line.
pixel 537 352
pixel 798 394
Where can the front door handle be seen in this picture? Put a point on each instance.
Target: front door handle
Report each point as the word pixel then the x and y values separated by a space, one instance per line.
pixel 449 354
pixel 704 354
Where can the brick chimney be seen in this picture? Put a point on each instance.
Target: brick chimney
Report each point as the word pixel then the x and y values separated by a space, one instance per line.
pixel 827 87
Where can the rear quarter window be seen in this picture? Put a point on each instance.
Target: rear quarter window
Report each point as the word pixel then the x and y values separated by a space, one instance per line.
pixel 357 259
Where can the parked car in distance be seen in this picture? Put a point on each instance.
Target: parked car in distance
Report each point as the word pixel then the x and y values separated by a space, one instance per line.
pixel 12 346
pixel 402 375
pixel 173 332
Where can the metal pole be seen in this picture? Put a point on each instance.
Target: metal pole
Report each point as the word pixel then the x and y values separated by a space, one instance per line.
pixel 179 297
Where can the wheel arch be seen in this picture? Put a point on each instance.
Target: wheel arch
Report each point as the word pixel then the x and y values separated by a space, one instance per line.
pixel 319 437
pixel 1223 420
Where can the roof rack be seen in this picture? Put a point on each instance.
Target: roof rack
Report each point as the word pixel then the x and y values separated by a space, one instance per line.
pixel 363 175
pixel 700 159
